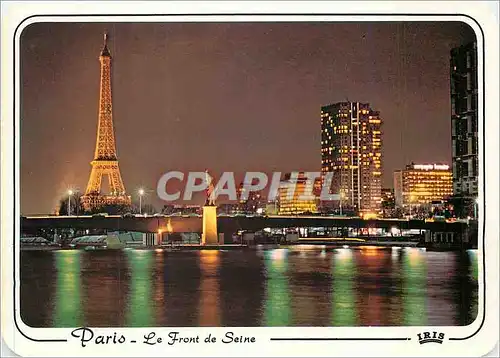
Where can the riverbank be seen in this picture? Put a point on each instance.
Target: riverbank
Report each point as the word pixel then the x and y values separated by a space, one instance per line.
pixel 309 244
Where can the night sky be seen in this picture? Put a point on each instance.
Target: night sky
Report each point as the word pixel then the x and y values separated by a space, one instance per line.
pixel 225 96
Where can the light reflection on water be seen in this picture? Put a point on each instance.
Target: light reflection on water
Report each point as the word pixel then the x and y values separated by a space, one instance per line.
pixel 208 307
pixel 343 299
pixel 367 286
pixel 139 302
pixel 277 296
pixel 68 289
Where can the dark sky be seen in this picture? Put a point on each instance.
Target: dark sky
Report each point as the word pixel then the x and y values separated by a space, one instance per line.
pixel 225 96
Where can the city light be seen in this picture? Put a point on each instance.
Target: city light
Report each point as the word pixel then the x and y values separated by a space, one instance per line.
pixel 141 193
pixel 344 254
pixel 70 193
pixel 370 250
pixel 278 254
pixel 431 166
pixel 369 216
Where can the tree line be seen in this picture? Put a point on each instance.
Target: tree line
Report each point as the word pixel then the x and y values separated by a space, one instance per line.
pixel 76 207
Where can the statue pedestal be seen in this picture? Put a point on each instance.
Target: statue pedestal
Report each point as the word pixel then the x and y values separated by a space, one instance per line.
pixel 209 230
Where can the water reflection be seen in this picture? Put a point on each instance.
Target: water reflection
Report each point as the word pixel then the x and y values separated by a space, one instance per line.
pixel 395 316
pixel 208 308
pixel 284 287
pixel 242 285
pixel 473 264
pixel 68 304
pixel 181 289
pixel 140 303
pixel 343 299
pixel 466 284
pixel 414 287
pixel 307 269
pixel 158 292
pixel 373 286
pixel 277 299
pixel 105 280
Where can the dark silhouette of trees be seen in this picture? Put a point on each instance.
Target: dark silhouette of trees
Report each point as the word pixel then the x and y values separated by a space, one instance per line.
pixel 78 209
pixel 146 209
pixel 76 205
pixel 111 209
pixel 462 207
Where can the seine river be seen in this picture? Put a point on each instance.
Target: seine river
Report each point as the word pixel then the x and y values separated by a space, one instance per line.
pixel 304 286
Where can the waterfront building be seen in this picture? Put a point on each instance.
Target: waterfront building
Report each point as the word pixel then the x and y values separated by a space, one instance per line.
pixel 296 195
pixel 181 209
pixel 464 120
pixel 351 148
pixel 271 208
pixel 255 203
pixel 388 202
pixel 421 184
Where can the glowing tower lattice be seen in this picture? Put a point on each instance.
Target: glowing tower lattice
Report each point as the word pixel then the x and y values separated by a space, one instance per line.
pixel 105 159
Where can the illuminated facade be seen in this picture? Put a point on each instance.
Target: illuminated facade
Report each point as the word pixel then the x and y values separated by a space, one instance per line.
pixel 421 184
pixel 464 120
pixel 351 148
pixel 388 197
pixel 388 202
pixel 105 159
pixel 301 201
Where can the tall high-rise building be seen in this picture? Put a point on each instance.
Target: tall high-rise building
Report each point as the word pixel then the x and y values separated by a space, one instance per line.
pixel 464 120
pixel 351 148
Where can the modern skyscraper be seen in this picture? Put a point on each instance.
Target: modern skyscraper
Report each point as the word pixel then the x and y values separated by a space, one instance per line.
pixel 464 120
pixel 351 148
pixel 105 159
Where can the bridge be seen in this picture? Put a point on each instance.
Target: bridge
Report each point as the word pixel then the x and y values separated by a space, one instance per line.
pixel 193 223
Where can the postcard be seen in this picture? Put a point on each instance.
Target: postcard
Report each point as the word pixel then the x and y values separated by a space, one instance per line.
pixel 243 179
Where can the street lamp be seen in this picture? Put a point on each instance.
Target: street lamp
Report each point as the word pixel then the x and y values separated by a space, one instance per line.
pixel 141 193
pixel 70 192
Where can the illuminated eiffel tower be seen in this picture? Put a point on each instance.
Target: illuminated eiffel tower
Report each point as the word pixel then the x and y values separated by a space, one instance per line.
pixel 105 160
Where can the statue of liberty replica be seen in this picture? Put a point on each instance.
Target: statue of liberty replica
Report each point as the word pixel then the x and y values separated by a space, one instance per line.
pixel 210 191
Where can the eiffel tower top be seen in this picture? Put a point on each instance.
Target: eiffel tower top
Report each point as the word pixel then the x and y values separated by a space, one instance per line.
pixel 105 51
